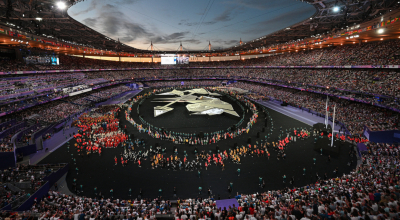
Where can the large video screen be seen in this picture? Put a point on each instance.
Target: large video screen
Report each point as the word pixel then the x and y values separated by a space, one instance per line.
pixel 55 61
pixel 168 60
pixel 173 59
pixel 182 60
pixel 42 60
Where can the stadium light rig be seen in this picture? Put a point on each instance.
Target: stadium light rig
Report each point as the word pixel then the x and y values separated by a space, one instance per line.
pixel 61 5
pixel 336 9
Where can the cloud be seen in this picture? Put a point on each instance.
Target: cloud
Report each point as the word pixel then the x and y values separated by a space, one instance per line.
pixel 92 6
pixel 177 35
pixel 225 42
pixel 189 24
pixel 134 31
pixel 253 4
pixel 130 2
pixel 281 21
pixel 224 16
pixel 91 22
pixel 174 38
pixel 231 42
pixel 114 19
pixel 113 23
pixel 192 41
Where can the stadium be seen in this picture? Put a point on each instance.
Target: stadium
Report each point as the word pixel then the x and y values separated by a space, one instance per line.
pixel 209 109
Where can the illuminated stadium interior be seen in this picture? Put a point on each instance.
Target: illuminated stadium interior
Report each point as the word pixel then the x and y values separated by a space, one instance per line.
pixel 199 110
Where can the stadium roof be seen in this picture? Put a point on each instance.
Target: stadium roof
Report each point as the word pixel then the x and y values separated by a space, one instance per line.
pixel 41 18
pixel 331 16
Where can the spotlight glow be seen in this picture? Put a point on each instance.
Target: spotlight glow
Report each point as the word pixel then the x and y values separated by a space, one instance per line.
pixel 380 31
pixel 61 5
pixel 336 9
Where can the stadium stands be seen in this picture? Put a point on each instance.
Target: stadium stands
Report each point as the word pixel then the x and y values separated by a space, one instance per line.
pixel 368 192
pixel 365 53
pixel 365 97
pixel 21 182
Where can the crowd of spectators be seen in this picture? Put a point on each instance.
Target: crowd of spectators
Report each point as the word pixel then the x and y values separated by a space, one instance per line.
pixel 61 109
pixel 97 208
pixel 7 65
pixel 370 53
pixel 20 182
pixel 7 195
pixel 354 115
pixel 362 85
pixel 364 53
pixel 6 124
pixel 38 82
pixel 17 93
pixel 363 81
pixel 6 144
pixel 26 136
pixel 52 112
pixel 108 93
pixel 370 191
pixel 380 82
pixel 356 84
pixel 372 86
pixel 184 83
pixel 27 101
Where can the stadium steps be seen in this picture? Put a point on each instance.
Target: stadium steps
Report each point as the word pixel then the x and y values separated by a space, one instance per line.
pixel 71 102
pixel 61 100
pixel 75 104
pixel 95 96
pixel 174 206
pixel 31 122
pixel 25 161
pixel 89 99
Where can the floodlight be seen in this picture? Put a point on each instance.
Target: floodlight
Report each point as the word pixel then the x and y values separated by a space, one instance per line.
pixel 61 5
pixel 336 9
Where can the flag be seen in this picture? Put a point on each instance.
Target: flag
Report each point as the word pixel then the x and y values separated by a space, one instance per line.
pixel 327 110
pixel 369 28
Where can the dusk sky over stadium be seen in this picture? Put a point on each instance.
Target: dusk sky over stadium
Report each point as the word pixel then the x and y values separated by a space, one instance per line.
pixel 194 23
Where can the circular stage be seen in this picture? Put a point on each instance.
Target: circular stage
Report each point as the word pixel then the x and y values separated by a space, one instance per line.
pixel 101 171
pixel 181 120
